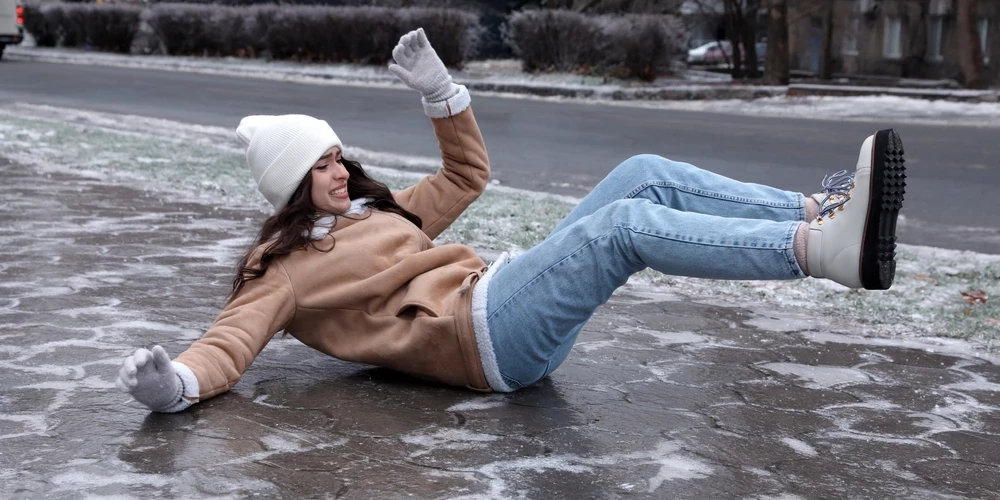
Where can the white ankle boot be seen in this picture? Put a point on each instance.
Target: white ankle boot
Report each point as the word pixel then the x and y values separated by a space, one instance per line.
pixel 853 240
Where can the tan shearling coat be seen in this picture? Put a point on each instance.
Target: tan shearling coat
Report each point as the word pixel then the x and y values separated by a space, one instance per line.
pixel 384 295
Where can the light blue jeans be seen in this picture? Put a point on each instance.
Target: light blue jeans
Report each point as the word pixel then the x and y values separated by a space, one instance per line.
pixel 648 212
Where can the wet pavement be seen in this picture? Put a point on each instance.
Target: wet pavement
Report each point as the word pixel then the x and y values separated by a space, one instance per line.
pixel 663 397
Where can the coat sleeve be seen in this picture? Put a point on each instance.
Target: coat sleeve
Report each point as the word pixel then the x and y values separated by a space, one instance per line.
pixel 262 308
pixel 440 198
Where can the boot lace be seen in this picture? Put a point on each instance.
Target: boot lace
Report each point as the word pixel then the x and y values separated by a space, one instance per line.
pixel 838 191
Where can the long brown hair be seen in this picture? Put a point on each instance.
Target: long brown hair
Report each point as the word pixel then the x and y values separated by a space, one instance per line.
pixel 289 229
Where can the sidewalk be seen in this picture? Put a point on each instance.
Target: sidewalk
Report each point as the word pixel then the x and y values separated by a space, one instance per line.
pixel 503 77
pixel 661 398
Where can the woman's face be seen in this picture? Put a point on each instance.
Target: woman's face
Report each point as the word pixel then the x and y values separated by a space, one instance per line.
pixel 329 183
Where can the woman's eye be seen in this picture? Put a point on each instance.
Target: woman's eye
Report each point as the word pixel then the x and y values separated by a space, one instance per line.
pixel 320 167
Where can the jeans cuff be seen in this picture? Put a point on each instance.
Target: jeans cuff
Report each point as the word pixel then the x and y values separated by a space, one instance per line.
pixel 789 248
pixel 513 384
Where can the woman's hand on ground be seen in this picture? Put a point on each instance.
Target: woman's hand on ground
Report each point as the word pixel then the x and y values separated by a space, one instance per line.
pixel 420 68
pixel 150 378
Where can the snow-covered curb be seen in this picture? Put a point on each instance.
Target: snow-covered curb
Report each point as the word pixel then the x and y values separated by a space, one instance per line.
pixel 872 109
pixel 557 84
pixel 925 93
pixel 207 164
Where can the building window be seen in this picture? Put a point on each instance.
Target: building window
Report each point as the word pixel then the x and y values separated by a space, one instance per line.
pixel 941 7
pixel 891 43
pixel 984 31
pixel 935 30
pixel 851 37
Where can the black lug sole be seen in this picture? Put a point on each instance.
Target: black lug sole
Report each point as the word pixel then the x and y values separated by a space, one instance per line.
pixel 888 183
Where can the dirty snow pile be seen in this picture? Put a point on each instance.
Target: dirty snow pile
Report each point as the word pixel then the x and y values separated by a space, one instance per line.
pixel 937 292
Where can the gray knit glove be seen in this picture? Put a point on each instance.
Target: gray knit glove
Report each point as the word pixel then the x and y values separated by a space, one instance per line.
pixel 151 379
pixel 420 68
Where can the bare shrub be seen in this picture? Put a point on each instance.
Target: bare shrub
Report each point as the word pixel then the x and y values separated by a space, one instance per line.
pixel 43 22
pixel 559 40
pixel 628 46
pixel 105 27
pixel 367 34
pixel 204 30
pixel 111 27
pixel 363 35
pixel 642 46
pixel 316 34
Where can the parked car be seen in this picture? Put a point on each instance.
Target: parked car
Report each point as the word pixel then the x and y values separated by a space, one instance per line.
pixel 710 53
pixel 721 53
pixel 11 23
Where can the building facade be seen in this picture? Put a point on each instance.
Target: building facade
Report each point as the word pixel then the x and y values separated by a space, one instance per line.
pixel 893 38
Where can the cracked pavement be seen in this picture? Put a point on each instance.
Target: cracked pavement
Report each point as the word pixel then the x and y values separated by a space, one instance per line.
pixel 662 397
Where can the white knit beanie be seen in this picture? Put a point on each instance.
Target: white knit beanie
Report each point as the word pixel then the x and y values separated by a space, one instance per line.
pixel 282 149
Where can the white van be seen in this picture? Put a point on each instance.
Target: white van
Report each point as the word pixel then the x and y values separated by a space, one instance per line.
pixel 11 23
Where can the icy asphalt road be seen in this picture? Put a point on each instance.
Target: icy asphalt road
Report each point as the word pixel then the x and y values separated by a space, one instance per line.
pixel 661 398
pixel 567 147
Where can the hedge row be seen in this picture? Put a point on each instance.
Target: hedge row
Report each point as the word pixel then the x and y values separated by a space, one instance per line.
pixel 306 33
pixel 630 46
pixel 310 33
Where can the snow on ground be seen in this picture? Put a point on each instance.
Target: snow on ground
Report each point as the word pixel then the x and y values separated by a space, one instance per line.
pixel 872 108
pixel 206 163
pixel 882 108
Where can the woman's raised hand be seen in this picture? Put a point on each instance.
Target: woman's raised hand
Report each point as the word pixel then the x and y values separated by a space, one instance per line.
pixel 150 378
pixel 420 68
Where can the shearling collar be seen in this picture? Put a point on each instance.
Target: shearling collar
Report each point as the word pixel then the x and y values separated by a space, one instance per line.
pixel 322 227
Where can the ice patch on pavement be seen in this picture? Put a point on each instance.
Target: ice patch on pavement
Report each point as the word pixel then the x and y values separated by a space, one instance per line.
pixel 800 447
pixel 673 468
pixel 483 403
pixel 757 471
pixel 99 478
pixel 941 345
pixel 871 404
pixel 894 469
pixel 933 422
pixel 282 444
pixel 876 438
pixel 978 383
pixel 787 322
pixel 32 424
pixel 76 480
pixel 668 338
pixel 447 439
pixel 819 377
pixel 965 411
pixel 670 462
pixel 587 346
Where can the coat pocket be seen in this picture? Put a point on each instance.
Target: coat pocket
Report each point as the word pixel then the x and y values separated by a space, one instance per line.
pixel 414 307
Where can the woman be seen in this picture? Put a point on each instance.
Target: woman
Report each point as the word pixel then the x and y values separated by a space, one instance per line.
pixel 350 269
